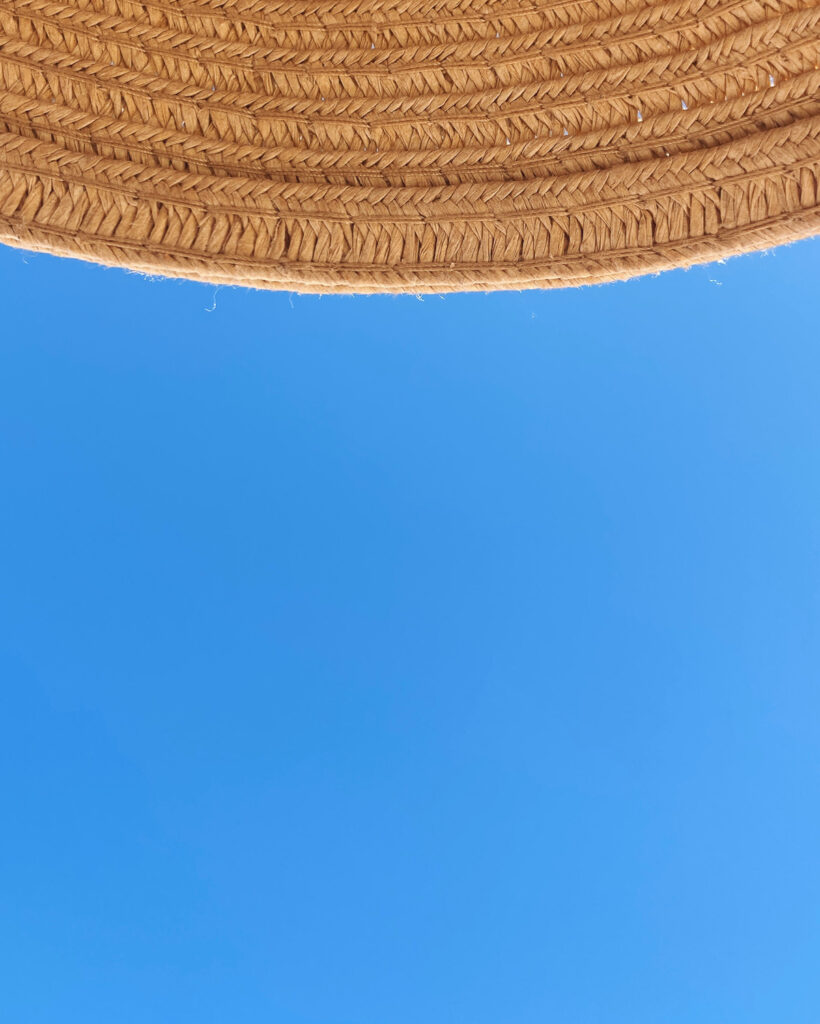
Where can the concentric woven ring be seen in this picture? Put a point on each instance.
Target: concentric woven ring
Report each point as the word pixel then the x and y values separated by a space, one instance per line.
pixel 408 145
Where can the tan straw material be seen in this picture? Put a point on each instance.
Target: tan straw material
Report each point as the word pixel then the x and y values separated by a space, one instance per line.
pixel 408 145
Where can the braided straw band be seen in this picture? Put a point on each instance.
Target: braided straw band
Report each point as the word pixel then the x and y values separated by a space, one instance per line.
pixel 408 145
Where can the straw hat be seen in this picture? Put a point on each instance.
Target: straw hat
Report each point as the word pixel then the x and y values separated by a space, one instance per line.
pixel 408 145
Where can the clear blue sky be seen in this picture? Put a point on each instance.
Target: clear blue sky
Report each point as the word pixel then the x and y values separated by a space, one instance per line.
pixel 386 661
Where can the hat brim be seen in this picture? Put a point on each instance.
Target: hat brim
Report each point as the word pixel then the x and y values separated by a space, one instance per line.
pixel 682 183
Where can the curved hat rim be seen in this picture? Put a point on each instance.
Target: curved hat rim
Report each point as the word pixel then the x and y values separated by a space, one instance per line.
pixel 548 144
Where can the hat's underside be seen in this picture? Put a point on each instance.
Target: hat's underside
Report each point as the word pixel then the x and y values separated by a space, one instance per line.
pixel 408 145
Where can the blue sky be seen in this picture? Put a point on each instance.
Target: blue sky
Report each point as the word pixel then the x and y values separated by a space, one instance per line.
pixel 385 661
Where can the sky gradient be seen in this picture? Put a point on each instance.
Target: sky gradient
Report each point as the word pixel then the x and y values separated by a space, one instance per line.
pixel 387 661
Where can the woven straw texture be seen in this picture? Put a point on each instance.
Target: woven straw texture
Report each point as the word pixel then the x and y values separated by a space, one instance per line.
pixel 408 145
